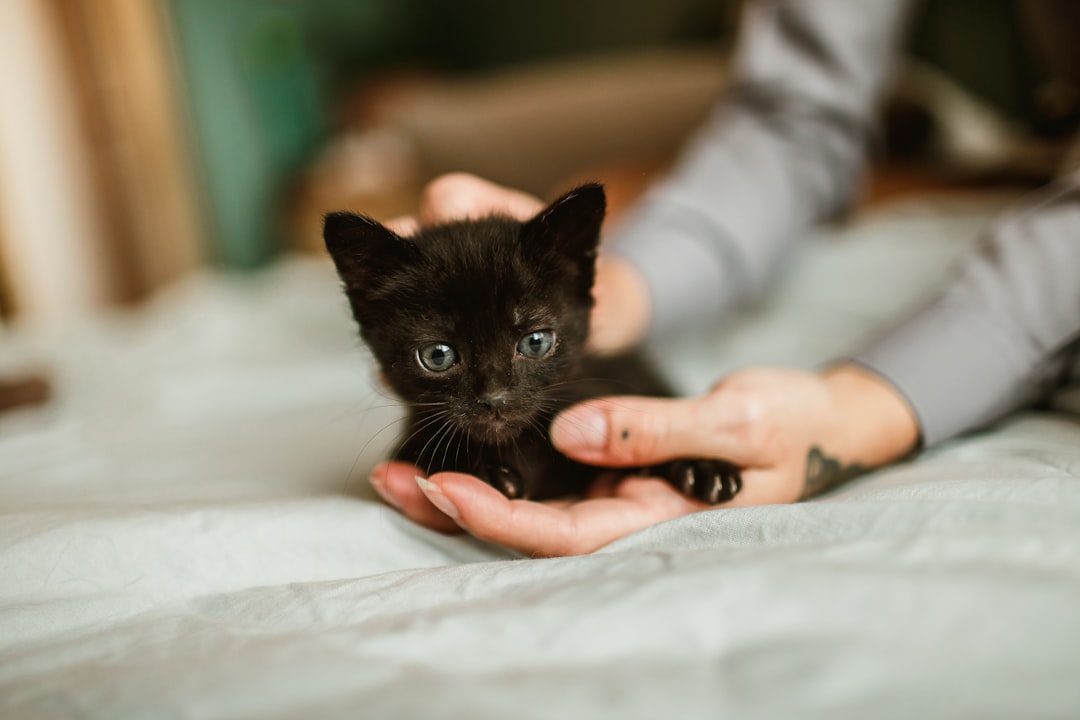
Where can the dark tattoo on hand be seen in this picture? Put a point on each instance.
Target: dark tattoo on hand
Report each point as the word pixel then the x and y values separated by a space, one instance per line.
pixel 824 472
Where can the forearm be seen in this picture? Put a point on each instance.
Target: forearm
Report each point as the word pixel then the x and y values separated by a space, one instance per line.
pixel 715 232
pixel 999 335
pixel 784 151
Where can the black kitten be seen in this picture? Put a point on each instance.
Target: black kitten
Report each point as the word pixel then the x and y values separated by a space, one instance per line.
pixel 480 327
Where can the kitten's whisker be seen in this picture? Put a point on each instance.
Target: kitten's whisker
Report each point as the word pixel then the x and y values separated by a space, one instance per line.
pixel 379 390
pixel 421 427
pixel 422 420
pixel 444 432
pixel 447 438
pixel 422 424
pixel 354 411
pixel 394 402
pixel 363 449
pixel 607 380
pixel 446 450
pixel 457 451
pixel 533 422
pixel 573 381
pixel 550 408
pixel 423 450
pixel 369 441
pixel 461 440
pixel 370 406
pixel 430 414
pixel 347 481
pixel 539 430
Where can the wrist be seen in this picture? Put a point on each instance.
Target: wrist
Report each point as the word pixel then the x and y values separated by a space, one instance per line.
pixel 873 424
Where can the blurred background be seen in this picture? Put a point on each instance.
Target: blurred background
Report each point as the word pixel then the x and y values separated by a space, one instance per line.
pixel 142 139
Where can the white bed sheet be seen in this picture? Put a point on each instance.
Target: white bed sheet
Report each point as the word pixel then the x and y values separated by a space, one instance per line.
pixel 186 532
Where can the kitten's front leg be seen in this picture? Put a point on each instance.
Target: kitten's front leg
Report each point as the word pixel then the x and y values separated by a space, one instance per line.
pixel 712 481
pixel 502 477
pixel 522 467
pixel 519 471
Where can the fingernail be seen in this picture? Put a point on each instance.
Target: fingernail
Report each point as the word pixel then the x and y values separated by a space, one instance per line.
pixel 380 487
pixel 433 493
pixel 581 429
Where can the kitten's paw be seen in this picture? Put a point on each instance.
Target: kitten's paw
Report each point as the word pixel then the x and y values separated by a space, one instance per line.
pixel 504 479
pixel 713 481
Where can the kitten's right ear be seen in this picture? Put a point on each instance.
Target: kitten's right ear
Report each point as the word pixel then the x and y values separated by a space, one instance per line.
pixel 565 235
pixel 363 249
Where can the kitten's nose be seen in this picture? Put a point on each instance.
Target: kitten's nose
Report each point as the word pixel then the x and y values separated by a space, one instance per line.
pixel 493 400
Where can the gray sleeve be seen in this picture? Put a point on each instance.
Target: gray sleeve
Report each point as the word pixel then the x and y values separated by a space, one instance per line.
pixel 999 335
pixel 784 151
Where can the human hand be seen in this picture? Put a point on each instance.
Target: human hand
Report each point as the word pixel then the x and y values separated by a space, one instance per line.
pixel 452 502
pixel 461 196
pixel 620 315
pixel 621 307
pixel 794 434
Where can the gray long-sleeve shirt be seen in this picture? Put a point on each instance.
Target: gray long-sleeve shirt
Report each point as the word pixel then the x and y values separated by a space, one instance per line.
pixel 786 150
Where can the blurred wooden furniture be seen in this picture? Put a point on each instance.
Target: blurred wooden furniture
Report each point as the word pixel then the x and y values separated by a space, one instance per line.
pixel 99 199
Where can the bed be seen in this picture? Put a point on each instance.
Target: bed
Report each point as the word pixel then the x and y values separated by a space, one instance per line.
pixel 186 531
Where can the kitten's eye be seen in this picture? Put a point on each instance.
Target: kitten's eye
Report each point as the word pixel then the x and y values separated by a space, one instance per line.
pixel 537 344
pixel 437 357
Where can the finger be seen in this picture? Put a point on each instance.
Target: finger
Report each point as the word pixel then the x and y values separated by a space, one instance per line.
pixel 528 527
pixel 760 487
pixel 629 431
pixel 403 225
pixel 659 492
pixel 459 196
pixel 545 530
pixel 395 482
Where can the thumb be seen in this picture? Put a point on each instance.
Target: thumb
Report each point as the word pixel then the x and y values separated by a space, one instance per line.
pixel 632 431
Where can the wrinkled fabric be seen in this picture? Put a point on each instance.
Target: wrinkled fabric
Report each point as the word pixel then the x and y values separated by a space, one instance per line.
pixel 186 531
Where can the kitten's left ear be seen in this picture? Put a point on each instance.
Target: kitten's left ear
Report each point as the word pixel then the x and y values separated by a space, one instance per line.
pixel 568 230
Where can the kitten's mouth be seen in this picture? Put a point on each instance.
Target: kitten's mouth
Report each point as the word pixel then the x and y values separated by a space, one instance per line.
pixel 496 428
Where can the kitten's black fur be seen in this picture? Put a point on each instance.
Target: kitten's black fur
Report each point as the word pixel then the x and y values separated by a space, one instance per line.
pixel 480 327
